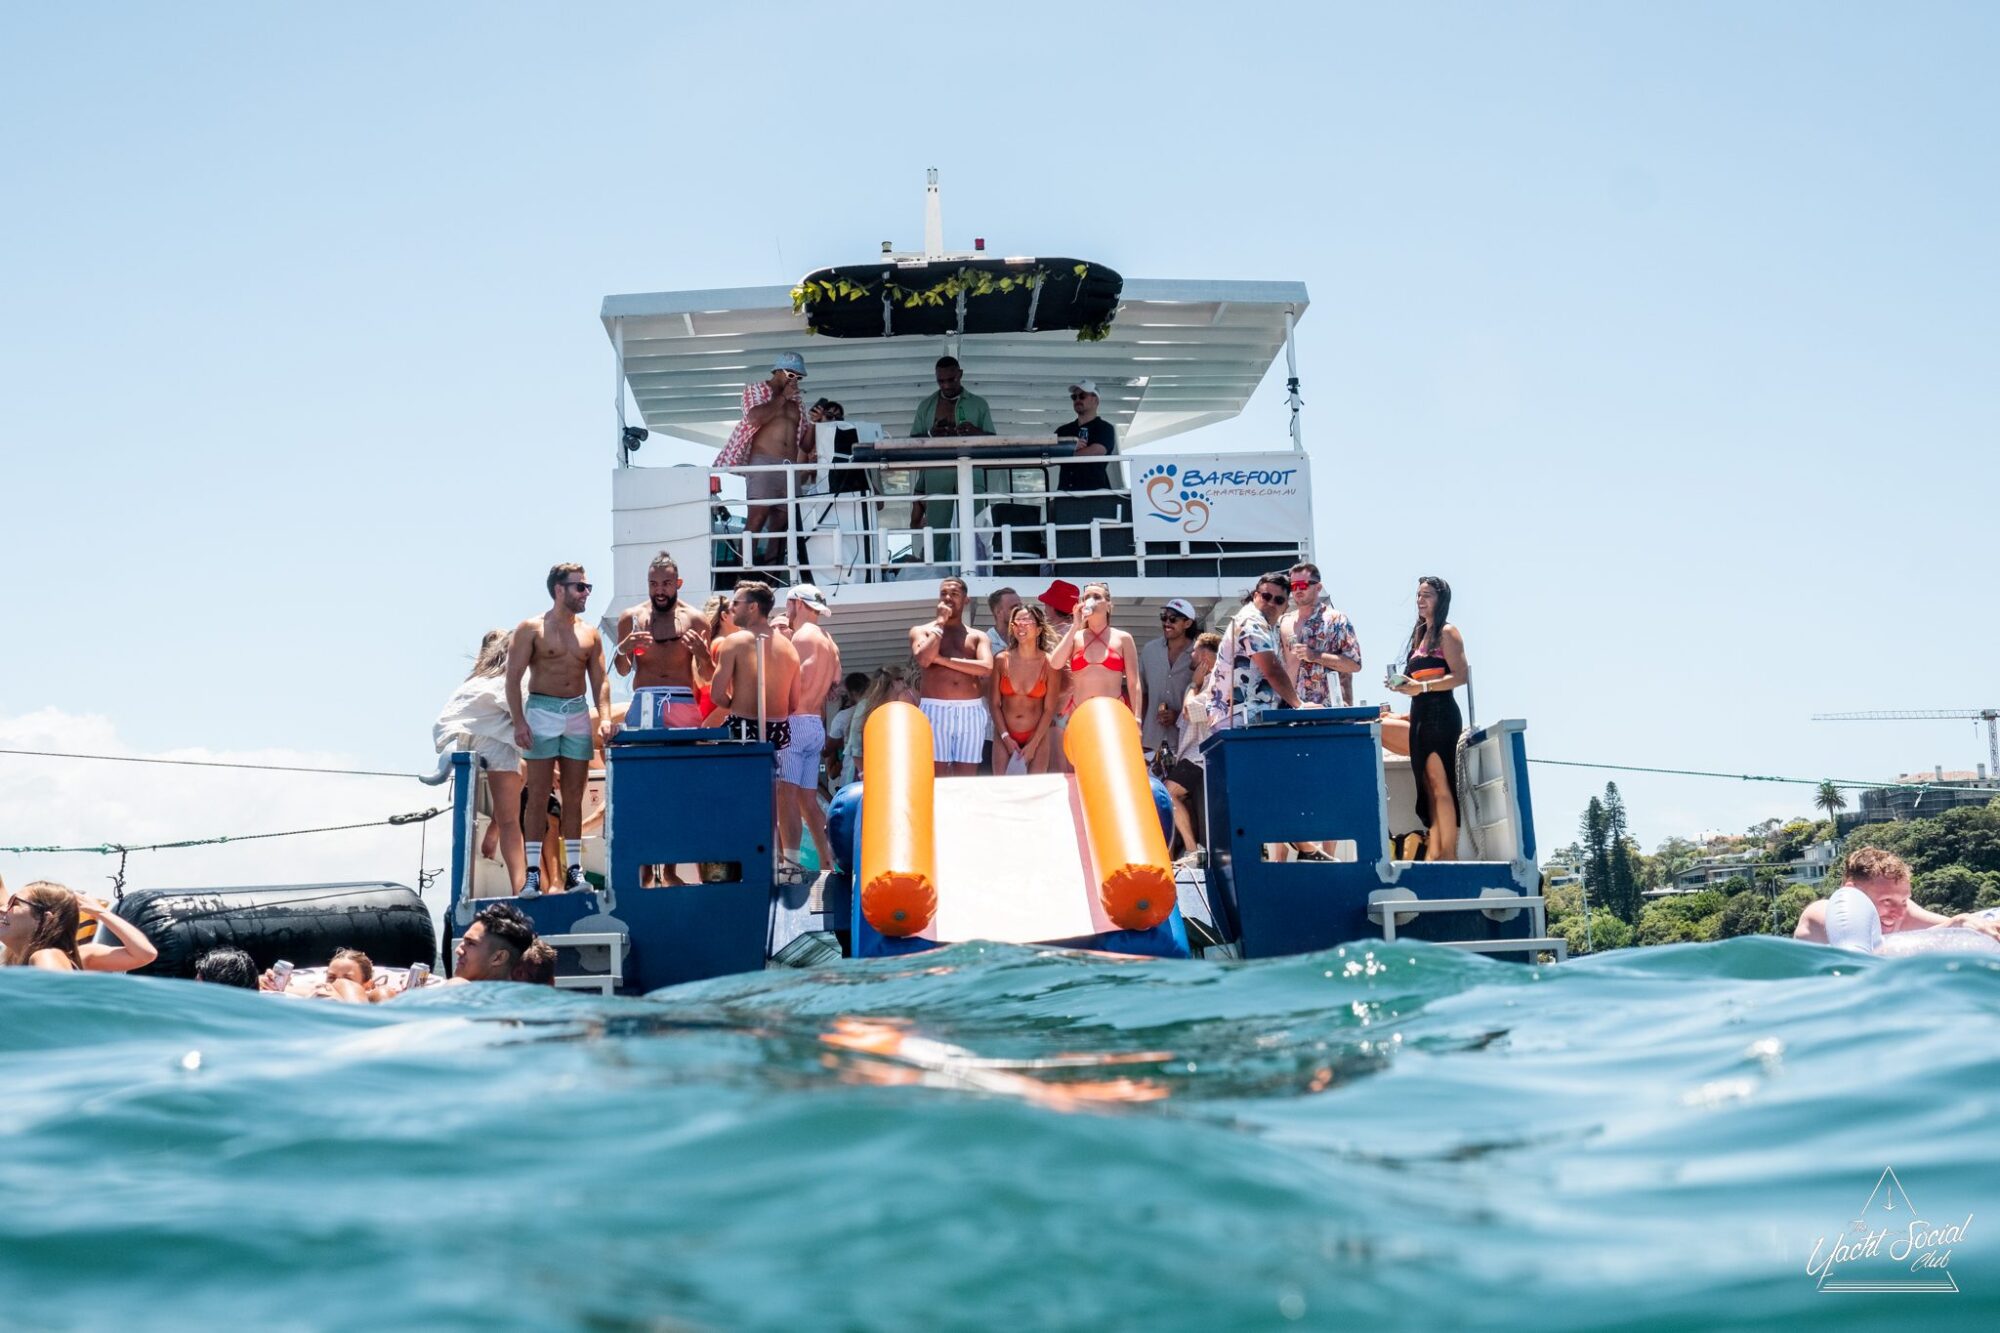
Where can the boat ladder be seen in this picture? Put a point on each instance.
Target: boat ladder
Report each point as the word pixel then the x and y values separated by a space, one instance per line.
pixel 1390 908
pixel 606 982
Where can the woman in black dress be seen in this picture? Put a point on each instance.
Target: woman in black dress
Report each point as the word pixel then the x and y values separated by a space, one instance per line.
pixel 1435 666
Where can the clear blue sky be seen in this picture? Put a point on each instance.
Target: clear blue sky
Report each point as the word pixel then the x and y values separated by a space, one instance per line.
pixel 1667 334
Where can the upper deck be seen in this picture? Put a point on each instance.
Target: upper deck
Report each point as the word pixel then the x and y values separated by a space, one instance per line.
pixel 1175 356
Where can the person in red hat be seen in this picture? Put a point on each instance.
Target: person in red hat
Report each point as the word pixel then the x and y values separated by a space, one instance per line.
pixel 1060 598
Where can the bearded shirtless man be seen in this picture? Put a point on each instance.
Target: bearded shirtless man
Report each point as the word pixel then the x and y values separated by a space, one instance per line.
pixel 657 641
pixel 557 654
pixel 781 437
pixel 956 660
pixel 798 762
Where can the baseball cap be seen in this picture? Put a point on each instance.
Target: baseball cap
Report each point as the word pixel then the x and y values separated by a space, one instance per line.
pixel 1088 386
pixel 810 594
pixel 1180 606
pixel 791 361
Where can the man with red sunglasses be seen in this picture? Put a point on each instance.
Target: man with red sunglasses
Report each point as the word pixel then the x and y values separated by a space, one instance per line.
pixel 1319 641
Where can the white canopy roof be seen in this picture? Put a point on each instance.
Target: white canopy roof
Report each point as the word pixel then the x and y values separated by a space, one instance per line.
pixel 1180 355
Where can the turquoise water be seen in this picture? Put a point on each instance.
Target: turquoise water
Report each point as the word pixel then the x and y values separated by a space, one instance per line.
pixel 1415 1137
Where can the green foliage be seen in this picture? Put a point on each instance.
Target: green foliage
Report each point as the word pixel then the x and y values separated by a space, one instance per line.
pixel 1953 889
pixel 1622 886
pixel 1968 835
pixel 1595 837
pixel 1683 917
pixel 1746 912
pixel 1606 932
pixel 1789 843
pixel 1564 901
pixel 1988 896
pixel 1673 856
pixel 1791 903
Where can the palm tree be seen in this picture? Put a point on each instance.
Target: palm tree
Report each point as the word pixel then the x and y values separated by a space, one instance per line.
pixel 1830 800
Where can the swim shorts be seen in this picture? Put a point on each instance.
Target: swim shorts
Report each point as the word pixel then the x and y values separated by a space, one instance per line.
pixel 798 762
pixel 561 727
pixel 958 729
pixel 778 731
pixel 655 706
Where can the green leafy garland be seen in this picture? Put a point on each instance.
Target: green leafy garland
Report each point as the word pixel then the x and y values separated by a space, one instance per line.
pixel 973 283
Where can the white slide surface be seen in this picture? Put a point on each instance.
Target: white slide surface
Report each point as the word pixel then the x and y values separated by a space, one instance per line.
pixel 1012 864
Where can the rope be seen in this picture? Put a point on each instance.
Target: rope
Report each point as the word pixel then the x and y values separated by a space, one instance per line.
pixel 121 849
pixel 214 763
pixel 1757 777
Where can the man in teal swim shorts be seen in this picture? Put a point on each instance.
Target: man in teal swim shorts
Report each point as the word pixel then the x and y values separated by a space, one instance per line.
pixel 557 654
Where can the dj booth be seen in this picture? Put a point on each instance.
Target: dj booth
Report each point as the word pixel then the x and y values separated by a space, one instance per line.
pixel 840 506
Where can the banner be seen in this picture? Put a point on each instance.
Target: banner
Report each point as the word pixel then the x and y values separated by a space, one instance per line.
pixel 1220 497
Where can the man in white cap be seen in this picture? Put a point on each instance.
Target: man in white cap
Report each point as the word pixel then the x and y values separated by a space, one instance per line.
pixel 1166 665
pixel 1095 438
pixel 779 433
pixel 798 761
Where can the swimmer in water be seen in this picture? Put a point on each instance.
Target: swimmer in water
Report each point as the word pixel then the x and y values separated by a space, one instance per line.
pixel 1885 878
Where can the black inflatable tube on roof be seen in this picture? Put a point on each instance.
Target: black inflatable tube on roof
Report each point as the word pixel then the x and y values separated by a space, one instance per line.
pixel 301 923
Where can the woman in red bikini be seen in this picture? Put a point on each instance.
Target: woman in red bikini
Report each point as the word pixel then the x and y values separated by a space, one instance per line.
pixel 1101 662
pixel 1022 697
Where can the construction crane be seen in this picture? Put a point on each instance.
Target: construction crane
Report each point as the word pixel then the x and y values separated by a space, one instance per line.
pixel 1990 716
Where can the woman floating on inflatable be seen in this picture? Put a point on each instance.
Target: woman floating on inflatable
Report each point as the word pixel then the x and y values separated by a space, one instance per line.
pixel 1871 912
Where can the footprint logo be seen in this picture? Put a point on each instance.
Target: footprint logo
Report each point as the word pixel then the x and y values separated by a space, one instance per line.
pixel 1169 502
pixel 1158 484
pixel 1194 510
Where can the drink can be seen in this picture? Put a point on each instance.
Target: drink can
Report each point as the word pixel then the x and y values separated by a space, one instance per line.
pixel 281 974
pixel 420 974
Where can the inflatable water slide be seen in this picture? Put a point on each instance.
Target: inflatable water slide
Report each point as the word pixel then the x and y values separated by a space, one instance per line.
pixel 1077 859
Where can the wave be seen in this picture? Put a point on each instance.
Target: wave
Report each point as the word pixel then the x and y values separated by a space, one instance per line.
pixel 990 1134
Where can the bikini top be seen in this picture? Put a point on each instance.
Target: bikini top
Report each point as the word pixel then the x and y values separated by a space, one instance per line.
pixel 1113 660
pixel 1007 686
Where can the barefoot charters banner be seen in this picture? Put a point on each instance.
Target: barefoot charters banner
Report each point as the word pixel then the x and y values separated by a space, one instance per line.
pixel 1220 497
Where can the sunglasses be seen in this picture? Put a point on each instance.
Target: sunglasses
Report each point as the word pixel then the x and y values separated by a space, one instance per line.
pixel 1171 615
pixel 1300 585
pixel 1075 396
pixel 581 587
pixel 1276 597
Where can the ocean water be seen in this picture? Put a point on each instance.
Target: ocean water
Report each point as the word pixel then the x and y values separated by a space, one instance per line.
pixel 999 1137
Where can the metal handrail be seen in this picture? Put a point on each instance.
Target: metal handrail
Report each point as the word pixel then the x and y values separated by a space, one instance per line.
pixel 805 484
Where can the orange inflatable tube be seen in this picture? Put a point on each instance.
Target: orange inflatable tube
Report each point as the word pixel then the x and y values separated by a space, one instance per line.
pixel 898 844
pixel 1120 822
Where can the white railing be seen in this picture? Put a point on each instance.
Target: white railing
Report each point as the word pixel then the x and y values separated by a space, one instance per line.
pixel 981 516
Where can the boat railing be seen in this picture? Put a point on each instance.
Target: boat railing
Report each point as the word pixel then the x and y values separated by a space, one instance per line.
pixel 879 521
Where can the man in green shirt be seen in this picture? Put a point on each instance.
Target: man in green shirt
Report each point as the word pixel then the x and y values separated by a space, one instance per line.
pixel 949 411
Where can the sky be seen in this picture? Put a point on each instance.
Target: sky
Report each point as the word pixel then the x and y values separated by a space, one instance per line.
pixel 1659 331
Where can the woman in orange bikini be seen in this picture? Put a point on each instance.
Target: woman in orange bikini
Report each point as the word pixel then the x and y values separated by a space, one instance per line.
pixel 1101 662
pixel 1021 698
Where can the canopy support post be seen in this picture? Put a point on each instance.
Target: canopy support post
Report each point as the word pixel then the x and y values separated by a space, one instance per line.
pixel 618 389
pixel 1292 398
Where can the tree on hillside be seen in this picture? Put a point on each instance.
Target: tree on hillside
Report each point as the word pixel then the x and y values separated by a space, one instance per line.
pixel 1830 800
pixel 1790 842
pixel 1673 856
pixel 1594 838
pixel 1622 892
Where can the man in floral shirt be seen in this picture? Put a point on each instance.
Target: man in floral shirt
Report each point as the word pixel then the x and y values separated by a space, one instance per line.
pixel 1318 640
pixel 1250 676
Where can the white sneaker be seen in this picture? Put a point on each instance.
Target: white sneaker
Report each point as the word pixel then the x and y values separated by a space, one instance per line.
pixel 532 886
pixel 573 880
